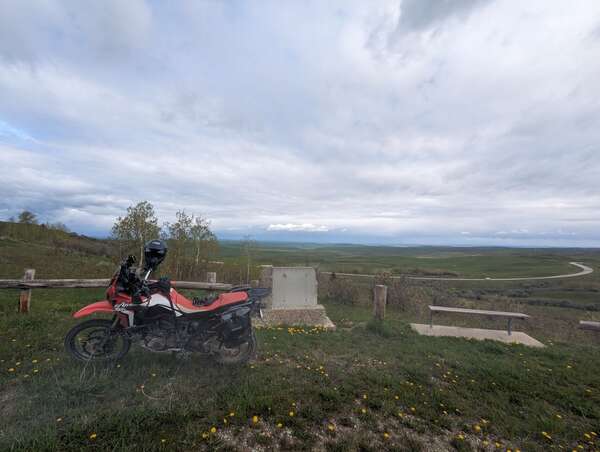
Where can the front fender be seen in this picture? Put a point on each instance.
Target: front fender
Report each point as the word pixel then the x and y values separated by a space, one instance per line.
pixel 99 306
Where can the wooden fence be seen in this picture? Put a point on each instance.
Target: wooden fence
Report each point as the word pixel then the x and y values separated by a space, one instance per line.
pixel 29 282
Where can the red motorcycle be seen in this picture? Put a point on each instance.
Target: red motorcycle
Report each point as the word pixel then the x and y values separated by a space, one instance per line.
pixel 163 320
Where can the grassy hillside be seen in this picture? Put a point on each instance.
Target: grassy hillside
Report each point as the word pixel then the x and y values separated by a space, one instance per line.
pixel 53 253
pixel 359 388
pixel 363 387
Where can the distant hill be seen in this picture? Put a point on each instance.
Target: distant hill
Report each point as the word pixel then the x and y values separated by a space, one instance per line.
pixel 53 253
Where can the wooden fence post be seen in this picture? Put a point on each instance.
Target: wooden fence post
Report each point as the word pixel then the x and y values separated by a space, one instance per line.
pixel 211 277
pixel 379 301
pixel 25 296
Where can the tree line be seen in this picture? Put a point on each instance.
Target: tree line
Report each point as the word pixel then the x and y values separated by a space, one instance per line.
pixel 193 247
pixel 191 242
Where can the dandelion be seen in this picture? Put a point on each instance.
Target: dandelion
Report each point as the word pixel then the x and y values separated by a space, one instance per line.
pixel 154 375
pixel 291 413
pixel 386 435
pixel 59 419
pixel 254 419
pixel 331 427
pixel 163 440
pixel 485 442
pixel 35 371
pixel 279 425
pixel 231 414
pixel 12 369
pixel 413 409
pixel 204 435
pixel 213 429
pixel 397 397
pixel 477 428
pixel 546 435
pixel 587 436
pixel 225 420
pixel 363 410
pixel 460 436
pixel 93 436
pixel 34 361
pixel 365 396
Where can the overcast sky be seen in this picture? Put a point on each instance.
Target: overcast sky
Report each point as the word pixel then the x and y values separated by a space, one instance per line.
pixel 414 121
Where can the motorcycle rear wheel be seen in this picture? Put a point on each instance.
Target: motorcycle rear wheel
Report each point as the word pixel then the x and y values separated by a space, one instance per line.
pixel 96 340
pixel 237 355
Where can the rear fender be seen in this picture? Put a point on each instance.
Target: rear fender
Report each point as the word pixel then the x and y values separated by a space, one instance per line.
pixel 103 306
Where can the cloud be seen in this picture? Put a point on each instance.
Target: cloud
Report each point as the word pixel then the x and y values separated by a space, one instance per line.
pixel 396 121
pixel 291 227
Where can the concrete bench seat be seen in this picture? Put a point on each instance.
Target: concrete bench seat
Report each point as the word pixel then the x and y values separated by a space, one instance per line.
pixel 589 325
pixel 508 315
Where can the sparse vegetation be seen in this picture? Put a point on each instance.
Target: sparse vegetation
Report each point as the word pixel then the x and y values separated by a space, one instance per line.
pixel 421 393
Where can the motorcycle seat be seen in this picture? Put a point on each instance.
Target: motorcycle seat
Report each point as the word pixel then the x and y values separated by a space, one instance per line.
pixel 205 301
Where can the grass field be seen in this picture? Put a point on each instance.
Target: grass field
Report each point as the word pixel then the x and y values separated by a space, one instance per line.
pixel 367 386
pixel 363 387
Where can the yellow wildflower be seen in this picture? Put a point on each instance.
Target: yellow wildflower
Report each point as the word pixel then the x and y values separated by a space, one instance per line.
pixel 213 429
pixel 254 419
pixel 93 436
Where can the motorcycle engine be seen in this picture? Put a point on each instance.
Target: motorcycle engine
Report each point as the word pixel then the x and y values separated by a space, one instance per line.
pixel 161 335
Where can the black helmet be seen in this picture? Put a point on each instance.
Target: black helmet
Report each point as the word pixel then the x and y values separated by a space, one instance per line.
pixel 155 252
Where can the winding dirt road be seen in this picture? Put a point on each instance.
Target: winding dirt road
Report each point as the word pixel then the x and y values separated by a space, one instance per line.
pixel 585 270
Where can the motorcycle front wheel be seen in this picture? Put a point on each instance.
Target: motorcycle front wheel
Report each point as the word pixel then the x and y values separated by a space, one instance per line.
pixel 96 340
pixel 239 354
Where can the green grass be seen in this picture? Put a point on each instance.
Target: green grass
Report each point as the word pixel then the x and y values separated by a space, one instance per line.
pixel 511 393
pixel 448 261
pixel 464 393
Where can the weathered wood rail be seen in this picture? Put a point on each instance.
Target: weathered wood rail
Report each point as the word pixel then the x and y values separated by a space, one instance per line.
pixel 28 283
pixel 96 283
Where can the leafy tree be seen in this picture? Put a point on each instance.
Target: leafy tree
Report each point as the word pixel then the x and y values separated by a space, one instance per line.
pixel 27 217
pixel 179 237
pixel 248 246
pixel 191 242
pixel 58 226
pixel 203 240
pixel 137 227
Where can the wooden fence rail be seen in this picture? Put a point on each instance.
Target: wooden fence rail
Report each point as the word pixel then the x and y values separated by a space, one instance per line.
pixel 95 283
pixel 28 282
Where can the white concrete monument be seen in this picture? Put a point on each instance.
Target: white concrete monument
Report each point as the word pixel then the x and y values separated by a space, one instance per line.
pixel 293 299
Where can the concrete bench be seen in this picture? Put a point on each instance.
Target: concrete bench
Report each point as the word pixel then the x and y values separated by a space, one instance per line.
pixel 589 325
pixel 508 315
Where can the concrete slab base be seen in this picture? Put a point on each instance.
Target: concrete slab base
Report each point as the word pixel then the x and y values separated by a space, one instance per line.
pixel 308 316
pixel 476 333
